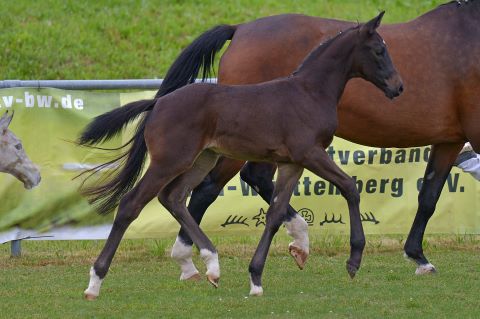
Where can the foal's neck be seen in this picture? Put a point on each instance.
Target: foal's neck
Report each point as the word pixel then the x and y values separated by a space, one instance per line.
pixel 327 68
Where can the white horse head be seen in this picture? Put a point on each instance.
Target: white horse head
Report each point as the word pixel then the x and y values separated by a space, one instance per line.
pixel 13 159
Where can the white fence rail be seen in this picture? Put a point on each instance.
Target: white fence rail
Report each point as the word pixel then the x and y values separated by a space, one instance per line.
pixel 131 84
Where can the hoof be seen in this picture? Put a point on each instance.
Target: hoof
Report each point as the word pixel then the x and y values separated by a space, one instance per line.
pixel 191 277
pixel 299 255
pixel 256 291
pixel 90 297
pixel 213 280
pixel 194 277
pixel 352 270
pixel 425 269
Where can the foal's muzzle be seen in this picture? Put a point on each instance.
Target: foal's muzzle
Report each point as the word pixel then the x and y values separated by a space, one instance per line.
pixel 394 86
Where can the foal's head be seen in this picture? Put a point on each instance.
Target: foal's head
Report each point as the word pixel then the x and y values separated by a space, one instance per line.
pixel 13 159
pixel 372 62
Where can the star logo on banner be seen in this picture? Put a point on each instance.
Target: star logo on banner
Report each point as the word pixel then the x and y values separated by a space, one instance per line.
pixel 260 218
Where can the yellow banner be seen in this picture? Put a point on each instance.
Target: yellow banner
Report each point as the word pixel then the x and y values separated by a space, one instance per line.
pixel 388 180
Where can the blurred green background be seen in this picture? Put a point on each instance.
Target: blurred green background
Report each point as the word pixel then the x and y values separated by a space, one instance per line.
pixel 120 39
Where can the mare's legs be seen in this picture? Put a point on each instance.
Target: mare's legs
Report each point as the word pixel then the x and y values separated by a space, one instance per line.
pixel 439 164
pixel 259 176
pixel 318 161
pixel 202 197
pixel 174 197
pixel 130 207
pixel 288 175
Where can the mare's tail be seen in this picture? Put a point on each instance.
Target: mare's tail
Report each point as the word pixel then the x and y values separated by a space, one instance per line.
pixel 199 55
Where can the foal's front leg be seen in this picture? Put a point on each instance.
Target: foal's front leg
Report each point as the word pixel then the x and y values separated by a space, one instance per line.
pixel 259 176
pixel 288 175
pixel 318 162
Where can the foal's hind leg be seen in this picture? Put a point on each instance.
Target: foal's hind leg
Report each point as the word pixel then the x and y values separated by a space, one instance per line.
pixel 259 176
pixel 203 196
pixel 439 165
pixel 129 209
pixel 288 175
pixel 318 161
pixel 174 197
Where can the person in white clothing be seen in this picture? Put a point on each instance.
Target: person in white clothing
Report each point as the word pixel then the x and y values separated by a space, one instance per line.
pixel 469 161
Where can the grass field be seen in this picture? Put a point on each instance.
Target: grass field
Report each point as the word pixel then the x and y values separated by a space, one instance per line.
pixel 56 39
pixel 48 281
pixel 119 39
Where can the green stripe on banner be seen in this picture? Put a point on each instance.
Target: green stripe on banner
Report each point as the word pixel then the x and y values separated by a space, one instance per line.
pixel 388 180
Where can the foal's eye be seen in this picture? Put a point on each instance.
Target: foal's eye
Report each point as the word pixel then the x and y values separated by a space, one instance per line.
pixel 18 146
pixel 380 51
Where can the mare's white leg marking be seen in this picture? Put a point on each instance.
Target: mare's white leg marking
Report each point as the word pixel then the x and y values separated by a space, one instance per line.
pixel 297 228
pixel 93 289
pixel 425 269
pixel 422 269
pixel 182 254
pixel 254 289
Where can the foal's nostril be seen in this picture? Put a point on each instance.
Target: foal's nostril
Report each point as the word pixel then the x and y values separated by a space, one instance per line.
pixel 400 89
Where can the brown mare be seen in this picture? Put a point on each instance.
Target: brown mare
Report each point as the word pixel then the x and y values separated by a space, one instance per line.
pixel 437 55
pixel 295 120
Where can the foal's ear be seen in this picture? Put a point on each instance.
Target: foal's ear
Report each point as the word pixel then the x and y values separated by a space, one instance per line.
pixel 371 26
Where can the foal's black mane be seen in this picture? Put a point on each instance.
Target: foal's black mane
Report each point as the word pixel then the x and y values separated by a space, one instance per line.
pixel 323 46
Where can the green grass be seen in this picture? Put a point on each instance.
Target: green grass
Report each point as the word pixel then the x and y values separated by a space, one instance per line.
pixel 48 281
pixel 57 39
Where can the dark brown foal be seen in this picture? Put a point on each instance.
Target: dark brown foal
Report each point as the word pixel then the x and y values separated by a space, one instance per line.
pixel 295 120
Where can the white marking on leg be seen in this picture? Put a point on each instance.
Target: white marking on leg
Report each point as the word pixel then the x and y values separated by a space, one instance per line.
pixel 211 261
pixel 254 289
pixel 425 269
pixel 182 254
pixel 94 284
pixel 297 228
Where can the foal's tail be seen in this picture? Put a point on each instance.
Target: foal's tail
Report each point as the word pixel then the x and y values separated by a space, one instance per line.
pixel 199 55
